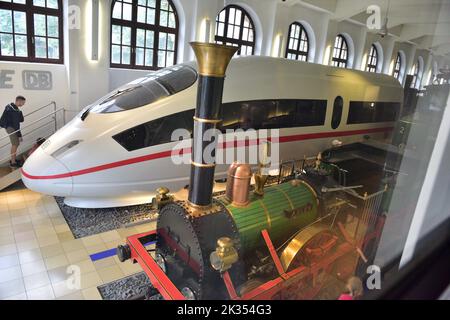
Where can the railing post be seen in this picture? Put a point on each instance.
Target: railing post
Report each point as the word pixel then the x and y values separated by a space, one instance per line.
pixel 55 116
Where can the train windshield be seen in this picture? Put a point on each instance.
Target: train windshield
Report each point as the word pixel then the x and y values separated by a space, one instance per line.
pixel 144 91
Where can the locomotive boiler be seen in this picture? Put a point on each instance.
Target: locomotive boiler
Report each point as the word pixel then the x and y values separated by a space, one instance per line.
pixel 190 240
pixel 224 247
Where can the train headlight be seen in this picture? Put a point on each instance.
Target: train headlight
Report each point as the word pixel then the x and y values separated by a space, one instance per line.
pixel 66 147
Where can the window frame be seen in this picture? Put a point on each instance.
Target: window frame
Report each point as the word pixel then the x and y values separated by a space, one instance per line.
pixel 239 42
pixel 335 62
pixel 30 10
pixel 398 66
pixel 297 52
pixel 372 65
pixel 135 25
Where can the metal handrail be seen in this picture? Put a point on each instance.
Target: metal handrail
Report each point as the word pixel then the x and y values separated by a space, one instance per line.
pixel 35 121
pixel 39 109
pixel 28 147
pixel 54 119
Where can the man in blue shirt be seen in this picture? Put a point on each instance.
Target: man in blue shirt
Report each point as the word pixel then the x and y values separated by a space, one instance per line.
pixel 10 120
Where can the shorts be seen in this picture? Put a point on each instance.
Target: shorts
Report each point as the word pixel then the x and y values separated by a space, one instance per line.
pixel 13 137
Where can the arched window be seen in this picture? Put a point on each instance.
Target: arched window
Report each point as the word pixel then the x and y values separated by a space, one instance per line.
pixel 340 52
pixel 398 66
pixel 235 27
pixel 298 43
pixel 144 34
pixel 31 30
pixel 372 61
pixel 417 77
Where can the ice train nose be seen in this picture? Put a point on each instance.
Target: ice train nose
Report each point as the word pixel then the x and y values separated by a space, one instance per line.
pixel 44 174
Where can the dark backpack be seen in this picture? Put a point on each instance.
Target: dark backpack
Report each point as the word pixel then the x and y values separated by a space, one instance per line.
pixel 3 121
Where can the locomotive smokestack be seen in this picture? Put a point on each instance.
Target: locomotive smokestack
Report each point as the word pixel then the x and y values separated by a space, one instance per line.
pixel 212 62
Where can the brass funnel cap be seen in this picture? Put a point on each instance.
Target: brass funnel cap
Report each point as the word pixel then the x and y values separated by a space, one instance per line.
pixel 213 59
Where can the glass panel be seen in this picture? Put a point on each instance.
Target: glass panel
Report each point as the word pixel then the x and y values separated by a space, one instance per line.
pixel 171 42
pixel 337 112
pixel 159 84
pixel 20 22
pixel 140 37
pixel 127 11
pixel 21 46
pixel 161 59
pixel 39 25
pixel 39 3
pixel 40 47
pixel 5 21
pixel 164 5
pixel 126 35
pixel 149 39
pixel 117 11
pixel 52 4
pixel 151 3
pixel 222 16
pixel 141 15
pixel 142 2
pixel 115 54
pixel 53 48
pixel 6 43
pixel 221 29
pixel 140 56
pixel 151 16
pixel 155 132
pixel 172 21
pixel 162 40
pixel 163 18
pixel 149 58
pixel 170 59
pixel 116 34
pixel 126 55
pixel 52 26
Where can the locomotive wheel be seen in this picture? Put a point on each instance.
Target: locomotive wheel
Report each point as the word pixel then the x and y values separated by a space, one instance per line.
pixel 307 247
pixel 249 286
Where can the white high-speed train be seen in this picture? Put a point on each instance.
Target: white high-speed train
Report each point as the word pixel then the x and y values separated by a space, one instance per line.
pixel 117 151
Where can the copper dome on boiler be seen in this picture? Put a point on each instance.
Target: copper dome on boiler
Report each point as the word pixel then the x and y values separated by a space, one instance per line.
pixel 238 183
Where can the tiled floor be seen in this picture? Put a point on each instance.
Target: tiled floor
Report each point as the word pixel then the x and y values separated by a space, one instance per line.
pixel 37 251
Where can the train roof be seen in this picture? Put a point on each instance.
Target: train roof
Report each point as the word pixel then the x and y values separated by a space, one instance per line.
pixel 264 67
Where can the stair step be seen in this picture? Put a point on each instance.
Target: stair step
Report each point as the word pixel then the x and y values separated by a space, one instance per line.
pixel 10 178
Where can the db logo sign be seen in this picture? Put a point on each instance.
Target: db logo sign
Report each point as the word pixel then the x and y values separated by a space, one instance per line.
pixel 37 80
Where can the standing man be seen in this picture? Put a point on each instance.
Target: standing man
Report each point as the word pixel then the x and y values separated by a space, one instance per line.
pixel 10 120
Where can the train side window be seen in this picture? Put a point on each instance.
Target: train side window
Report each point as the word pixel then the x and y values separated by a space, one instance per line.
pixel 147 90
pixel 337 112
pixel 372 112
pixel 273 114
pixel 155 132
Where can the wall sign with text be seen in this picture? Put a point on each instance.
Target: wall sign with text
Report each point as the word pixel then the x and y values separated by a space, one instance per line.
pixel 31 79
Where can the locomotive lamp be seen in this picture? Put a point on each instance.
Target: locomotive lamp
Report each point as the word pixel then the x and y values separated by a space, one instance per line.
pixel 225 255
pixel 162 198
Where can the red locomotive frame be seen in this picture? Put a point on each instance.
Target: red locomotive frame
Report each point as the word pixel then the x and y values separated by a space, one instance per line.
pixel 282 287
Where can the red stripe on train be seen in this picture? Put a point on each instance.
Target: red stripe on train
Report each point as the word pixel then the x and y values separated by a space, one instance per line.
pixel 165 154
